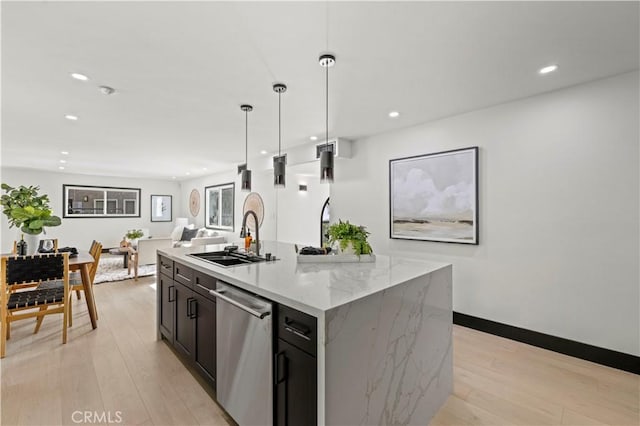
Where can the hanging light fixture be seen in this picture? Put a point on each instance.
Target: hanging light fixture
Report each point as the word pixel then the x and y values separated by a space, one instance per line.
pixel 326 156
pixel 279 161
pixel 246 173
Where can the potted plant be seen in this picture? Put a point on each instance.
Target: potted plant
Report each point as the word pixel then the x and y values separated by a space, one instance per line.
pixel 133 235
pixel 346 234
pixel 28 211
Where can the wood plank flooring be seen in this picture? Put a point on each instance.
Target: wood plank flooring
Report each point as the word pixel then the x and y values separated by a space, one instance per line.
pixel 120 370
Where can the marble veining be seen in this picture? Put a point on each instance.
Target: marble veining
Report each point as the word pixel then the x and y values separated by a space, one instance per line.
pixel 389 357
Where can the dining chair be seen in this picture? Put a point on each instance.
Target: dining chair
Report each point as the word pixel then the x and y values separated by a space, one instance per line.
pixel 37 302
pixel 75 282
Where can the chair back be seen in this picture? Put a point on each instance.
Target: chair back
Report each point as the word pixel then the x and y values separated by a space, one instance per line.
pixel 35 268
pixel 95 251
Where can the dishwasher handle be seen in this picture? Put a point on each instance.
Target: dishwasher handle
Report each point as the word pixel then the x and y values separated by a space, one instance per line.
pixel 220 295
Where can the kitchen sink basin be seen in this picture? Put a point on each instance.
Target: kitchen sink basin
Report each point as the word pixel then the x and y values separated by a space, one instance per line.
pixel 226 259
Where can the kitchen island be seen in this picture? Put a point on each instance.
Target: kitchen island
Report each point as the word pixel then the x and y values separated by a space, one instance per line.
pixel 374 338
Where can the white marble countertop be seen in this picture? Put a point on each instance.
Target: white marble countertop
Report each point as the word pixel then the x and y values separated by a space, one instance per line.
pixel 313 288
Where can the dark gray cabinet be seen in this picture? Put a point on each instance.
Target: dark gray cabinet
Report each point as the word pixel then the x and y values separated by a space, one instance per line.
pixel 187 318
pixel 295 369
pixel 183 334
pixel 296 386
pixel 205 337
pixel 166 298
pixel 166 294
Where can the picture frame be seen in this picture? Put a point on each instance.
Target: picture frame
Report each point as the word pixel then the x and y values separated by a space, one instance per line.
pixel 161 208
pixel 434 197
pixel 219 201
pixel 88 201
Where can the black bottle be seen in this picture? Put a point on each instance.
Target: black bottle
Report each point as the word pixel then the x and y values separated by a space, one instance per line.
pixel 21 247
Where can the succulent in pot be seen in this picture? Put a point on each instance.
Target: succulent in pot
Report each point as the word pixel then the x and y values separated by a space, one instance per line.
pixel 345 234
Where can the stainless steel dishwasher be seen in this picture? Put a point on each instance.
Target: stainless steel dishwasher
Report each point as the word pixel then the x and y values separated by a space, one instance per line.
pixel 243 355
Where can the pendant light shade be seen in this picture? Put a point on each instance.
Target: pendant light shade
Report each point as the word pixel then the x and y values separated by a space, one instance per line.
pixel 279 161
pixel 246 173
pixel 246 180
pixel 326 157
pixel 326 166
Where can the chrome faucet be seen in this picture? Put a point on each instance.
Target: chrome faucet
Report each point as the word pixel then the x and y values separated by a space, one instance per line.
pixel 244 225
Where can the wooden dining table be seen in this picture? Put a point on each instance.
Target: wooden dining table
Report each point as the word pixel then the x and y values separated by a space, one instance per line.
pixel 81 263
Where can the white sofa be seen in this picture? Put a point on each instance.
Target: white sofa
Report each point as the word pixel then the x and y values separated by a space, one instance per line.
pixel 202 237
pixel 147 248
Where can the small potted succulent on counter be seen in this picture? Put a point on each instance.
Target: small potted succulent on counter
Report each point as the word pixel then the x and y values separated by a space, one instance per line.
pixel 351 239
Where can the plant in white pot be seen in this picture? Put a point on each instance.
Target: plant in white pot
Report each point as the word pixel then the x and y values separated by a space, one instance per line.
pixel 351 239
pixel 28 211
pixel 133 235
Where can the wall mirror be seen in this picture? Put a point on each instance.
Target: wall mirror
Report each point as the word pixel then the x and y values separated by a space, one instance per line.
pixel 218 206
pixel 100 201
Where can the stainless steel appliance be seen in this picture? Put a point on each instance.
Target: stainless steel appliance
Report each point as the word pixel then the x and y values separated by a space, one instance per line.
pixel 244 350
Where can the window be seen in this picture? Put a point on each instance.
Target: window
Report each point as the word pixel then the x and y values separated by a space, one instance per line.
pixel 94 201
pixel 218 211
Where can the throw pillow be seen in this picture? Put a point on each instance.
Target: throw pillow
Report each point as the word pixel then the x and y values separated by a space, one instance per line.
pixel 176 233
pixel 188 234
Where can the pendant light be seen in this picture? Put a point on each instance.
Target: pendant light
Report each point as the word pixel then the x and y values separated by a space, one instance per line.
pixel 279 161
pixel 246 173
pixel 326 156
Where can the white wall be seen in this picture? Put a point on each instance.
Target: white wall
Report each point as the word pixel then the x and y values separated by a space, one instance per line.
pixel 79 232
pixel 559 210
pixel 290 215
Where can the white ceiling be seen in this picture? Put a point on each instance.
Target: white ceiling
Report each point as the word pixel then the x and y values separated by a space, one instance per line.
pixel 181 70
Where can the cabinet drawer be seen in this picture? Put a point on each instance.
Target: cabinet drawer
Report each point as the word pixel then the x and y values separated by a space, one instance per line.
pixel 183 274
pixel 202 283
pixel 165 265
pixel 298 328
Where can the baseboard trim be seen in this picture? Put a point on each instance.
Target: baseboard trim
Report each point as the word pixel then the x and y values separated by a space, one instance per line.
pixel 608 357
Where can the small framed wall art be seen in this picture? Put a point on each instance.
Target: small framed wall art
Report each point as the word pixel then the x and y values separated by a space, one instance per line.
pixel 434 197
pixel 161 208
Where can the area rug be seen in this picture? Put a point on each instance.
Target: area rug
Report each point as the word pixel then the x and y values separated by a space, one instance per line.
pixel 110 269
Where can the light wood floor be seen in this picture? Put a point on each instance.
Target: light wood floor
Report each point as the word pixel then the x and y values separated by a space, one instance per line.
pixel 120 367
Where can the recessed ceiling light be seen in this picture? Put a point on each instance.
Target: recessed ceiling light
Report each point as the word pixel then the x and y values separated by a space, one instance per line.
pixel 63 161
pixel 313 138
pixel 394 114
pixel 64 152
pixel 204 168
pixel 71 117
pixel 263 152
pixel 79 76
pixel 61 167
pixel 188 173
pixel 548 69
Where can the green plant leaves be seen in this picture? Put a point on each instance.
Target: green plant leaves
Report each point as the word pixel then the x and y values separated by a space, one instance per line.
pixel 27 210
pixel 345 233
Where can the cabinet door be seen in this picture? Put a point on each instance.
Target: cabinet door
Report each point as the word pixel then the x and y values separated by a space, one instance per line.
pixel 183 335
pixel 296 386
pixel 205 332
pixel 167 306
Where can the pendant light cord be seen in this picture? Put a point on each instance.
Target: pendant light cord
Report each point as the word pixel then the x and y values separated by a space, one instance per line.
pixel 246 139
pixel 279 123
pixel 327 109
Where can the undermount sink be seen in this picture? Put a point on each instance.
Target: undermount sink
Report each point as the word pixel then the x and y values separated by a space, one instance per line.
pixel 225 258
